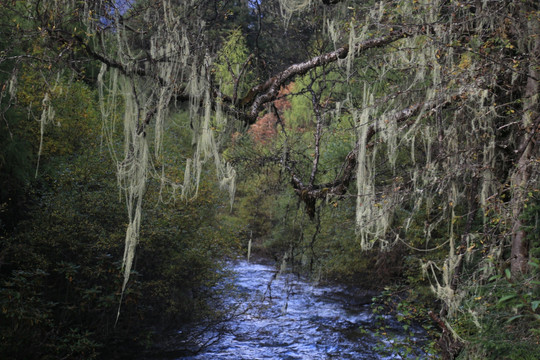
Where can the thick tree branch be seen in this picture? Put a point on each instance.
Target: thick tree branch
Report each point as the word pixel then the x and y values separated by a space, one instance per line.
pixel 266 92
pixel 257 97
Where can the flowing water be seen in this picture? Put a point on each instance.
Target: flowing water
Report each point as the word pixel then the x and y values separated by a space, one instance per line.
pixel 279 316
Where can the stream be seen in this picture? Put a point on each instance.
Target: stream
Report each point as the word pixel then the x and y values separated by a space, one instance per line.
pixel 280 316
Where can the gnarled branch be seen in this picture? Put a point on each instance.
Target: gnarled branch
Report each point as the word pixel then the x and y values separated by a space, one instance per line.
pixel 311 192
pixel 266 92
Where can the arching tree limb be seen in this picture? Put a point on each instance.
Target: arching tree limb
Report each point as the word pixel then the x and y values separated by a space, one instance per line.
pixel 266 92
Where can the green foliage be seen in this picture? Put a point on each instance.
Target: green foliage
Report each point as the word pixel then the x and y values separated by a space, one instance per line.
pixel 531 224
pixel 74 127
pixel 410 307
pixel 231 65
pixel 502 321
pixel 192 240
pixel 500 317
pixel 60 273
pixel 75 124
pixel 300 116
pixel 60 287
pixel 16 169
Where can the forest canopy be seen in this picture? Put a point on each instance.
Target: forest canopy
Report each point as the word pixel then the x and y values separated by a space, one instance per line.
pixel 414 123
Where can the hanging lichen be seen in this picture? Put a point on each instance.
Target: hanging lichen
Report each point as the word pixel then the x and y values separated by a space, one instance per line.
pixel 47 117
pixel 289 7
pixel 442 148
pixel 145 85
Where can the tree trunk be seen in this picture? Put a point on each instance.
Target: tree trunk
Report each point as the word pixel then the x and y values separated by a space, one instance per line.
pixel 526 152
pixel 520 249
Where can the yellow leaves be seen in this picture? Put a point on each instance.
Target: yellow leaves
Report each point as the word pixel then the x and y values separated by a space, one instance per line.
pixel 465 61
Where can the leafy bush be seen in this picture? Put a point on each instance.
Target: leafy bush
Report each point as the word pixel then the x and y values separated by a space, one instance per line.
pixel 61 272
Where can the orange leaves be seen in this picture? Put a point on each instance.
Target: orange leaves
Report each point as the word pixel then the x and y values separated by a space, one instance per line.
pixel 282 103
pixel 264 129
